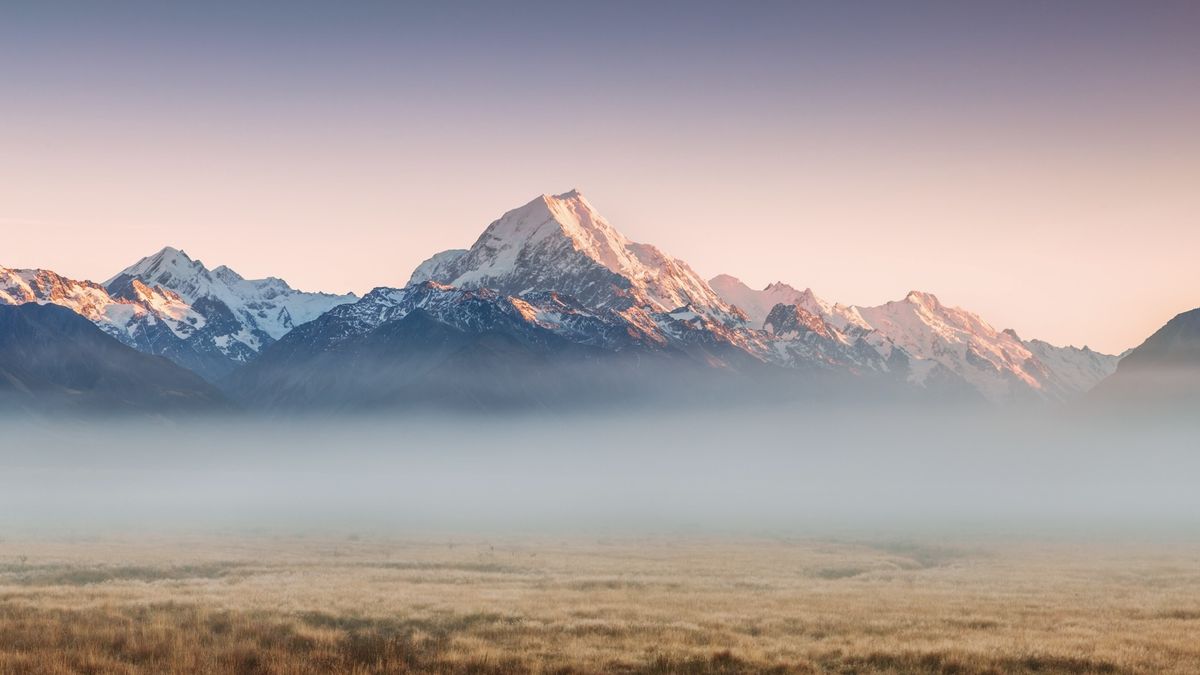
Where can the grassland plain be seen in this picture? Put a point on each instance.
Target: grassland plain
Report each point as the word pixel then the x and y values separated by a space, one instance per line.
pixel 373 604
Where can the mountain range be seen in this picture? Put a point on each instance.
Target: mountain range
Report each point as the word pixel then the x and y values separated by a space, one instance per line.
pixel 553 306
pixel 167 304
pixel 939 342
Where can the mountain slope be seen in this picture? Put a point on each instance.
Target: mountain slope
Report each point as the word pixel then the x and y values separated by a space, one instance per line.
pixel 1079 369
pixel 997 363
pixel 560 243
pixel 1162 373
pixel 54 359
pixel 802 338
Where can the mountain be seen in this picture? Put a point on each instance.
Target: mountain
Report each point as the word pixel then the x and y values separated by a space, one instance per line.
pixel 942 343
pixel 169 305
pixel 1079 368
pixel 431 344
pixel 94 302
pixel 1161 373
pixel 52 359
pixel 561 243
pixel 151 320
pixel 251 313
pixel 997 363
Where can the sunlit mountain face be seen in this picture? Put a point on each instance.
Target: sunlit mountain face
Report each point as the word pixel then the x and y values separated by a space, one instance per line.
pixel 561 243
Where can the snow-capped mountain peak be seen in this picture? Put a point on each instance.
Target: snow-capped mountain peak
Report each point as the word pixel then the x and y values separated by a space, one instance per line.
pixel 922 298
pixel 167 263
pixel 921 315
pixel 561 243
pixel 227 275
pixel 567 215
pixel 266 309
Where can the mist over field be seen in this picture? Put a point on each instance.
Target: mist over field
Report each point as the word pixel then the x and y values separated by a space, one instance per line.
pixel 781 470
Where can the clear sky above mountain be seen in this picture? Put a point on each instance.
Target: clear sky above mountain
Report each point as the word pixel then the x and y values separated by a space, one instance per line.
pixel 1034 162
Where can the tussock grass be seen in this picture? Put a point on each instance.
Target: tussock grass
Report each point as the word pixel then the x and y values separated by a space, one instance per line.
pixel 705 607
pixel 70 575
pixel 482 567
pixel 839 572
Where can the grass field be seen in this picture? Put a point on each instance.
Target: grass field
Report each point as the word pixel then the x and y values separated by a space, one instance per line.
pixel 657 605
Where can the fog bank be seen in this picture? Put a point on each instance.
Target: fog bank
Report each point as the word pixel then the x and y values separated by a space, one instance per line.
pixel 787 469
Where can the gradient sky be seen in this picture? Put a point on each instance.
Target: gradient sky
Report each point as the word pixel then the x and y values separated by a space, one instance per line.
pixel 1035 162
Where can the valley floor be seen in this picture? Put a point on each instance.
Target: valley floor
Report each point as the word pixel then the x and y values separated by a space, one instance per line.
pixel 295 604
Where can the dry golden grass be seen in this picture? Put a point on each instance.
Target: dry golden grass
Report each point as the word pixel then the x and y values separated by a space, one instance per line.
pixel 374 605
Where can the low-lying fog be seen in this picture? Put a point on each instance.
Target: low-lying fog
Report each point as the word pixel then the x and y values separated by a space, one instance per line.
pixel 783 470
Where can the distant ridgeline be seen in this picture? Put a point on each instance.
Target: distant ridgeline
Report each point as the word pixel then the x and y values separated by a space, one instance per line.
pixel 551 307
